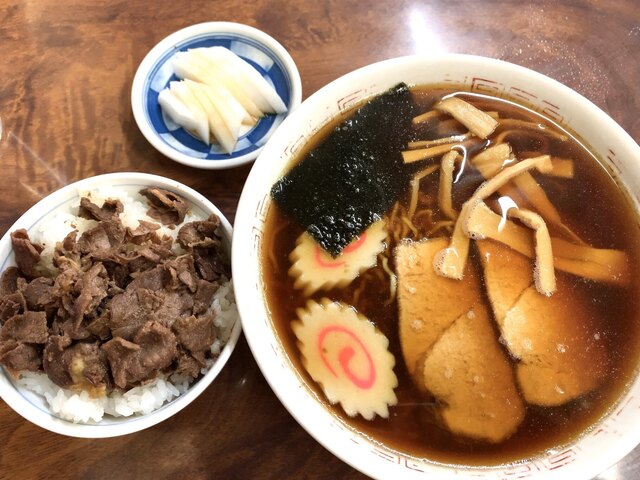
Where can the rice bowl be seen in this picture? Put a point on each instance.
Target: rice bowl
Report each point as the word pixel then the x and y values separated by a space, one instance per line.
pixel 47 405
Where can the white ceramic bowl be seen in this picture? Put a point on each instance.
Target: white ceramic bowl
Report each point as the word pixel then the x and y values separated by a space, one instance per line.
pixel 155 72
pixel 33 407
pixel 599 448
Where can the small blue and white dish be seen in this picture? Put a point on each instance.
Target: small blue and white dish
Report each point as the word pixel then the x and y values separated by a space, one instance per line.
pixel 155 72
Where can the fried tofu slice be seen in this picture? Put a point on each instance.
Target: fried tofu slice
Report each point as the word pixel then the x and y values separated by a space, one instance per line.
pixel 468 372
pixel 428 303
pixel 555 339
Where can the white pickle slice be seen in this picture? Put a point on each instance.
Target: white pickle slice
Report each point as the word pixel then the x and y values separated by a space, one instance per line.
pixel 348 356
pixel 314 269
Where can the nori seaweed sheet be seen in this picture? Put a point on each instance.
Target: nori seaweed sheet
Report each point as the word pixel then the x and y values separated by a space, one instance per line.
pixel 354 176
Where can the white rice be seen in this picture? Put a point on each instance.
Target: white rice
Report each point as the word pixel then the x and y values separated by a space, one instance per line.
pixel 80 407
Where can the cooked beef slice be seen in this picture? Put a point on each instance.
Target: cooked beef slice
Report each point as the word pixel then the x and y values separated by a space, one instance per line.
pixel 69 243
pixel 143 259
pixel 92 289
pixel 11 305
pixel 118 276
pixel 162 249
pixel 195 333
pixel 200 233
pixel 153 279
pixel 53 360
pixel 79 293
pixel 200 238
pixel 159 344
pixel 64 289
pixel 77 364
pixel 67 326
pixel 190 365
pixel 203 298
pixel 66 254
pixel 165 307
pixel 209 264
pixel 94 240
pixel 189 280
pixel 20 356
pixel 124 359
pixel 90 210
pixel 112 287
pixel 137 306
pixel 9 281
pixel 165 206
pixel 153 348
pixel 29 327
pixel 99 326
pixel 39 294
pixel 135 258
pixel 143 233
pixel 132 308
pixel 115 231
pixel 181 271
pixel 107 235
pixel 27 253
pixel 127 312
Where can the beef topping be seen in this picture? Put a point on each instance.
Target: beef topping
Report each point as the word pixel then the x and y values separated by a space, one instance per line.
pixel 106 236
pixel 29 327
pixel 67 326
pixel 165 206
pixel 9 281
pixel 99 326
pixel 122 305
pixel 11 305
pixel 189 364
pixel 200 233
pixel 75 365
pixel 38 294
pixel 20 356
pixel 181 271
pixel 27 253
pixel 209 265
pixel 153 348
pixel 91 288
pixel 90 210
pixel 144 232
pixel 204 296
pixel 53 360
pixel 195 333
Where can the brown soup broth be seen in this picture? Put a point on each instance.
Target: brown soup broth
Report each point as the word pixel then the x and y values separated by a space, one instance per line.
pixel 591 204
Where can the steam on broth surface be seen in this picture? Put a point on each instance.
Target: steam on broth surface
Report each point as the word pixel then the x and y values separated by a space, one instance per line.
pixel 592 217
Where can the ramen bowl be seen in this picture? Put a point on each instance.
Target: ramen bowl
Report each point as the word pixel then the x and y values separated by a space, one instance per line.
pixel 591 452
pixel 34 404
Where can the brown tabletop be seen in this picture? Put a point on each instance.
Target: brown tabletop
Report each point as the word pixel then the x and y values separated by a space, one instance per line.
pixel 66 68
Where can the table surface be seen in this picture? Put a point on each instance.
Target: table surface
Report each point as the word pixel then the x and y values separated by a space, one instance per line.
pixel 66 69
